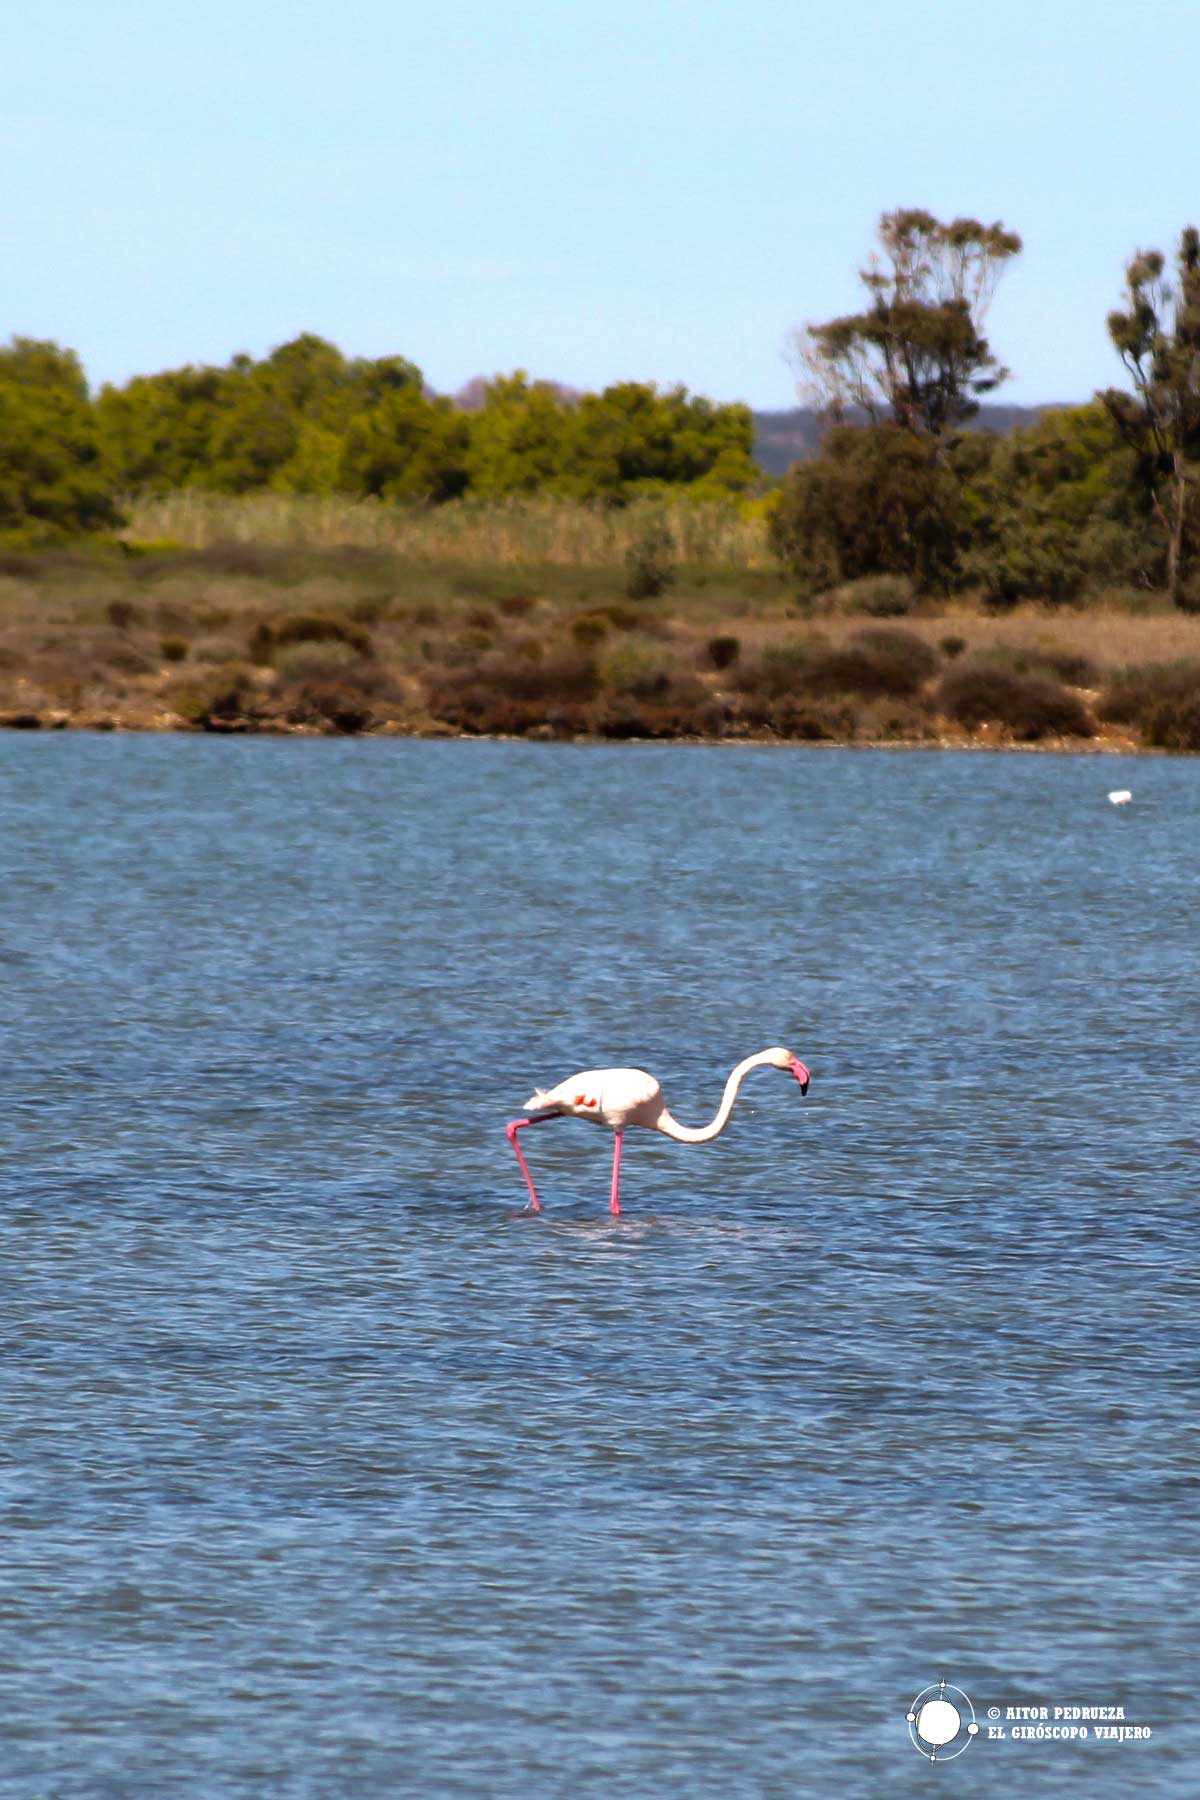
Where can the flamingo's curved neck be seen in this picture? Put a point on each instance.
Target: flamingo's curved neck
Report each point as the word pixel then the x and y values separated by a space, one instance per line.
pixel 686 1134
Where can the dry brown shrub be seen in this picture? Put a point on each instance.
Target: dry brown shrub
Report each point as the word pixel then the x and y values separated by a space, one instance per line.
pixel 123 657
pixel 509 695
pixel 219 650
pixel 301 628
pixel 724 651
pixel 872 663
pixel 336 705
pixel 515 606
pixel 624 617
pixel 900 660
pixel 477 707
pixel 779 668
pixel 809 721
pixel 1063 663
pixel 1133 691
pixel 1029 706
pixel 1161 700
pixel 588 629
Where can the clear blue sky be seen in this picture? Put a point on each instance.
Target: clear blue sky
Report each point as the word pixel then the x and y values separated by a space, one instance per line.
pixel 593 190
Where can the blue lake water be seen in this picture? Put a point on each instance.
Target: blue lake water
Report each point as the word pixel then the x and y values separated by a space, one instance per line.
pixel 327 1470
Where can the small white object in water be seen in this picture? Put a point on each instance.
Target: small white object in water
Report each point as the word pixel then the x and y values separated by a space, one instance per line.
pixel 1121 796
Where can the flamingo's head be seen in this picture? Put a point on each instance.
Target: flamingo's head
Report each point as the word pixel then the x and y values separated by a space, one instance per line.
pixel 783 1059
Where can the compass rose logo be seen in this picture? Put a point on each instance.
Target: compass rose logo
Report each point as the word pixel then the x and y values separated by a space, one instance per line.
pixel 941 1722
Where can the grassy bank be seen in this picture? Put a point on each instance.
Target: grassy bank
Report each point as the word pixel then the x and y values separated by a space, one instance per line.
pixel 553 620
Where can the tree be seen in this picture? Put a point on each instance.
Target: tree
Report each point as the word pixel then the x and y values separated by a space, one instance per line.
pixel 917 354
pixel 1049 510
pixel 1157 337
pixel 877 501
pixel 407 447
pixel 632 439
pixel 156 432
pixel 517 433
pixel 51 479
pixel 281 422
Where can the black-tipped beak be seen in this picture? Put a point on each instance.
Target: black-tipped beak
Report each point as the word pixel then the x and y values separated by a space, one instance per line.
pixel 801 1074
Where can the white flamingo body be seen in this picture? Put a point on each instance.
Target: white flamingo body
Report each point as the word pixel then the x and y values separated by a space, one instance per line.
pixel 618 1098
pixel 612 1097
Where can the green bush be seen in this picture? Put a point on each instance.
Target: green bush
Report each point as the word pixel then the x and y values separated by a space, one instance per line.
pixel 1036 562
pixel 723 652
pixel 1187 599
pixel 876 501
pixel 633 666
pixel 880 596
pixel 649 563
pixel 216 704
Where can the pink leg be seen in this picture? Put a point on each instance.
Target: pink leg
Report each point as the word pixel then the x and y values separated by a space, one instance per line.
pixel 614 1203
pixel 511 1131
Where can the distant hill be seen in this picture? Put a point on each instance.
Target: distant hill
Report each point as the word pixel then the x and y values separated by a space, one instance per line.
pixel 782 438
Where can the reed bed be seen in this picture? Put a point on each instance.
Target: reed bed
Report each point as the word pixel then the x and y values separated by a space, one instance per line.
pixel 537 531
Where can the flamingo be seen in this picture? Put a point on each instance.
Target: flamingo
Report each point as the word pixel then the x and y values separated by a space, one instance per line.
pixel 621 1097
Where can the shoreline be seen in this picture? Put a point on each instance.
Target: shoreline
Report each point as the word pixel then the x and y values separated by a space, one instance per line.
pixel 170 725
pixel 243 639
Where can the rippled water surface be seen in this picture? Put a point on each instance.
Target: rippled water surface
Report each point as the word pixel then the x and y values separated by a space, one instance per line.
pixel 329 1471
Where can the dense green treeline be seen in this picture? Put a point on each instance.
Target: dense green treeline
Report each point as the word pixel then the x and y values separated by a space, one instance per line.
pixel 307 419
pixel 1090 498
